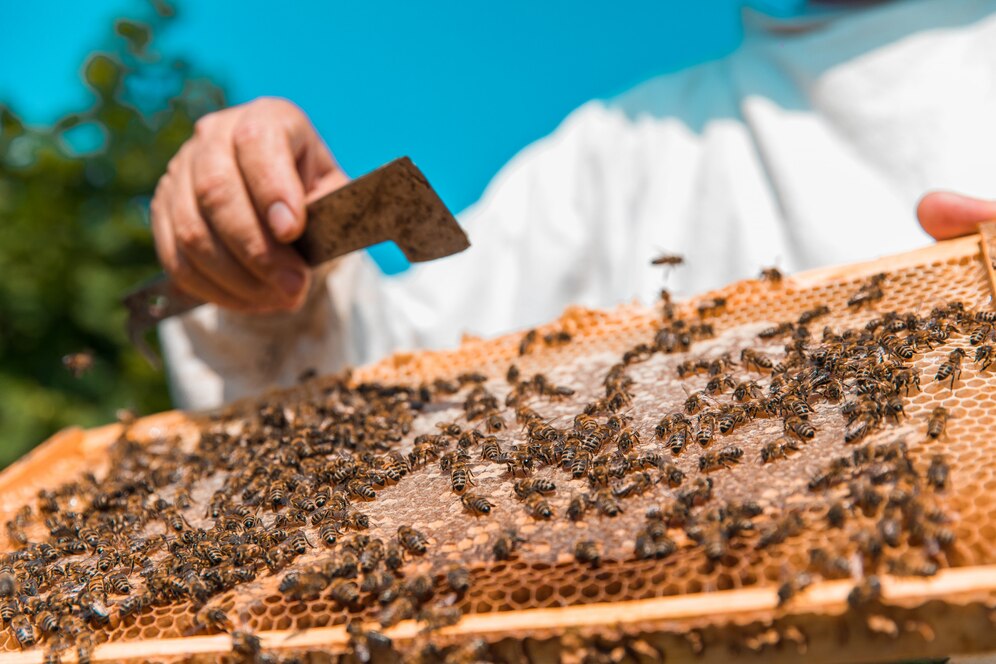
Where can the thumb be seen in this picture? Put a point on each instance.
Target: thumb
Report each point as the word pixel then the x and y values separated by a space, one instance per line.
pixel 945 215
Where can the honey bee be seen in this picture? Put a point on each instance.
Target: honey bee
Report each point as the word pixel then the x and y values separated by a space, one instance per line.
pixel 476 505
pixel 800 427
pixel 909 565
pixel 523 488
pixel 23 630
pixel 937 422
pixel 779 330
pixel 772 275
pixel 214 619
pixel 711 307
pixel 793 586
pixel 668 260
pixel 79 363
pixel 529 340
pixel 640 484
pixel 538 507
pixel 460 477
pixel 588 552
pixel 984 356
pixel 458 579
pixel 400 609
pixel 865 593
pixel 705 428
pixel 937 472
pixel 784 527
pixel 491 449
pixel 837 514
pixel 951 367
pixel 344 591
pixel 506 544
pixel 245 644
pixel 303 585
pixel 577 508
pixel 810 315
pixel 607 504
pixel 412 540
pixel 828 565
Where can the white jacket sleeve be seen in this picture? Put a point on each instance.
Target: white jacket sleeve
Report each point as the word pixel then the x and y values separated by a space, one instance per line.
pixel 540 237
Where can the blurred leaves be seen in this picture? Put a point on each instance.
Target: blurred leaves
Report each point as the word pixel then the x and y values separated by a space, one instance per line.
pixel 74 236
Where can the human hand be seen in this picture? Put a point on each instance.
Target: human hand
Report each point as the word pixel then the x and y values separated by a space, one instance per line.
pixel 232 199
pixel 945 215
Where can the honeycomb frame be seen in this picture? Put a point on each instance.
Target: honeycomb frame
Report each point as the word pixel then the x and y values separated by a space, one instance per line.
pixel 952 612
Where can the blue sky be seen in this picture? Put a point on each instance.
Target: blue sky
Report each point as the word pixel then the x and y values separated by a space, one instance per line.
pixel 460 86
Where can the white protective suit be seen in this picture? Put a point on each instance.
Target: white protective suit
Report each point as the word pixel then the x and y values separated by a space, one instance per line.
pixel 810 145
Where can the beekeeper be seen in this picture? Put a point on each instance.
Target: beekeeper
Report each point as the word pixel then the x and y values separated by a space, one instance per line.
pixel 810 145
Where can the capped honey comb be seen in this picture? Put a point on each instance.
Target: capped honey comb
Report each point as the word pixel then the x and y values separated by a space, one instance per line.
pixel 756 569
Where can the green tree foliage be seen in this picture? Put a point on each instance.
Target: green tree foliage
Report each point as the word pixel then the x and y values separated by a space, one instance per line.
pixel 74 236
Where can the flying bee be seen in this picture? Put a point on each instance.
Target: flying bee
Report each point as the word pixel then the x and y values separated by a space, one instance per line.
pixel 937 472
pixel 476 504
pixel 951 367
pixel 412 540
pixel 78 363
pixel 937 422
pixel 668 260
pixel 505 544
pixel 772 275
pixel 587 552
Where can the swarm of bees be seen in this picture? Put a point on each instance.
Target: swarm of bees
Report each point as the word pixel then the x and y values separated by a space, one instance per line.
pixel 290 486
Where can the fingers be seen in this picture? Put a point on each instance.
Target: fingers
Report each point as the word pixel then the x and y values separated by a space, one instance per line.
pixel 265 271
pixel 275 145
pixel 178 266
pixel 946 215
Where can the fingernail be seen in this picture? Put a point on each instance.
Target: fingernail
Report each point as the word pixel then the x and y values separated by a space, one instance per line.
pixel 281 219
pixel 290 281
